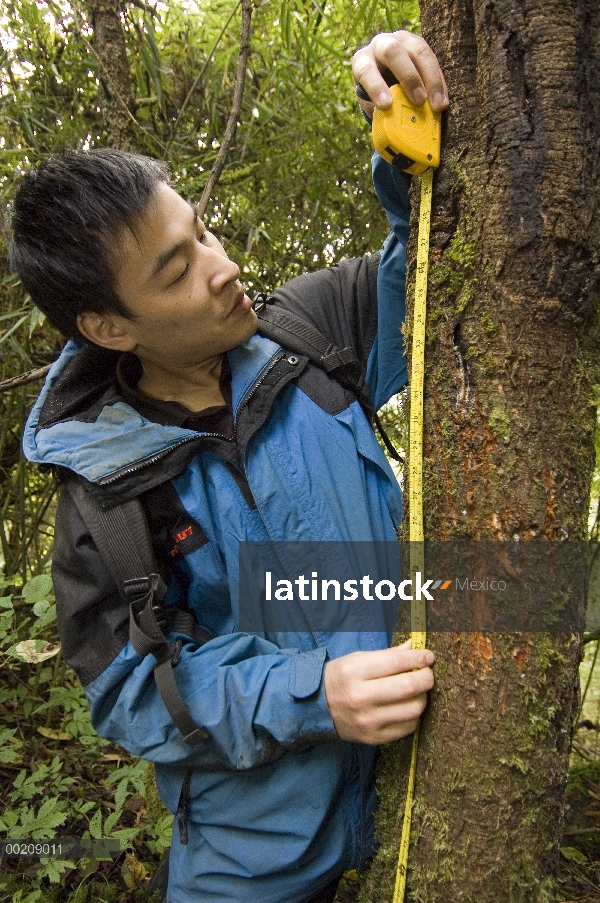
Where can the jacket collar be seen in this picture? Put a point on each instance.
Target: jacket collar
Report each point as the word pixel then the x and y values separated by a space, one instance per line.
pixel 81 424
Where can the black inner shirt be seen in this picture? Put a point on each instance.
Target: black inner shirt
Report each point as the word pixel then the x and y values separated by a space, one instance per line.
pixel 217 419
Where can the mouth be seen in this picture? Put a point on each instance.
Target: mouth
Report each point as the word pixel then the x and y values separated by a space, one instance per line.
pixel 242 305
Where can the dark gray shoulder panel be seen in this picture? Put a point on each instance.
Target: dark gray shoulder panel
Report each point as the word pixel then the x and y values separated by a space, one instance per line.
pixel 93 620
pixel 341 302
pixel 325 391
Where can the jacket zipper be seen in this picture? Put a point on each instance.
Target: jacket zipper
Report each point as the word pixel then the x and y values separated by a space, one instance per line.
pixel 105 481
pixel 147 462
pixel 260 379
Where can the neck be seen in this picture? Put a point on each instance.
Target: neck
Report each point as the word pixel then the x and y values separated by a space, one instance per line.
pixel 196 387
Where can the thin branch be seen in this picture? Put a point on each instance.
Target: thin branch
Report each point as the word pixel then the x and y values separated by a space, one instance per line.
pixel 30 376
pixel 188 96
pixel 238 94
pixel 145 6
pixel 573 831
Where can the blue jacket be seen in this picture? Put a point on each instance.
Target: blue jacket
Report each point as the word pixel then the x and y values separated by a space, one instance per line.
pixel 279 806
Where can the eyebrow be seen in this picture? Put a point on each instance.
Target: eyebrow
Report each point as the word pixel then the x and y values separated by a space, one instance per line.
pixel 163 259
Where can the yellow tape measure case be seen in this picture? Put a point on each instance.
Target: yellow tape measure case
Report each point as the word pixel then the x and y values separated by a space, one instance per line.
pixel 407 135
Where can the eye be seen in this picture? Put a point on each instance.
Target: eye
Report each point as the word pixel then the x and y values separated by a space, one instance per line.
pixel 182 276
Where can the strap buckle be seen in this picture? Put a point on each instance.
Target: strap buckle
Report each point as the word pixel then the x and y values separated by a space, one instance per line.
pixel 139 587
pixel 338 357
pixel 260 301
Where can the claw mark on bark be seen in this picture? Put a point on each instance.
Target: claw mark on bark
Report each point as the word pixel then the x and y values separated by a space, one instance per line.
pixel 463 380
pixel 482 652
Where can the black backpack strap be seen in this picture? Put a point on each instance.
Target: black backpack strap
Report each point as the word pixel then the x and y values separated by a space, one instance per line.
pixel 293 333
pixel 122 537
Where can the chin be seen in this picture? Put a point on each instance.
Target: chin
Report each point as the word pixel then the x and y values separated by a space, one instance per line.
pixel 244 331
pixel 251 326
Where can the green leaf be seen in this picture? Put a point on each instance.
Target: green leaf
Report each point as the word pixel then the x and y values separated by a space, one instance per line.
pixel 9 821
pixel 34 897
pixel 36 318
pixel 83 806
pixel 121 794
pixel 12 329
pixel 55 868
pixel 152 38
pixel 126 836
pixel 40 608
pixel 38 588
pixel 162 831
pixel 573 854
pixel 134 773
pixel 111 821
pixel 49 816
pixel 10 747
pixel 96 825
pixel 286 24
pixel 48 616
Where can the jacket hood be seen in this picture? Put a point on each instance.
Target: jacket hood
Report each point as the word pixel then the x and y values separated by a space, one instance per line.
pixel 81 423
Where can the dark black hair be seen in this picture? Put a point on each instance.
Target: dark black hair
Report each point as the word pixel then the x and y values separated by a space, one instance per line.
pixel 67 217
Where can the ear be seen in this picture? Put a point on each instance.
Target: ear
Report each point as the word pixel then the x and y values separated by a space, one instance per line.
pixel 106 330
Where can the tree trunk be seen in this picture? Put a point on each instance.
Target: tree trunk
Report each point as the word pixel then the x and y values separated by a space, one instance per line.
pixel 511 357
pixel 116 98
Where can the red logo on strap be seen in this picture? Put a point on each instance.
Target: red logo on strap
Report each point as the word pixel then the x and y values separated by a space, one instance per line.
pixel 179 537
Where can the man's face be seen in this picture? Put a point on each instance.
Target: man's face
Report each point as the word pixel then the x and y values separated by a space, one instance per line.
pixel 184 293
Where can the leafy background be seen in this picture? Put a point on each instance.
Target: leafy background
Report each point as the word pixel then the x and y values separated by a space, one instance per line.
pixel 295 195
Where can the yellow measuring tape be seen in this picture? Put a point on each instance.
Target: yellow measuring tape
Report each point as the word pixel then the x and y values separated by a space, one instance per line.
pixel 415 494
pixel 410 137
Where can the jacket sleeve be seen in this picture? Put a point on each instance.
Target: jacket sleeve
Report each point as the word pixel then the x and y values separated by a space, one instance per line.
pixel 386 366
pixel 360 303
pixel 255 700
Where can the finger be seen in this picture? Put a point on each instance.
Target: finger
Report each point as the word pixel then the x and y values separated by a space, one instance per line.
pixel 410 59
pixel 397 714
pixel 396 660
pixel 397 731
pixel 367 74
pixel 400 688
pixel 415 65
pixel 429 70
pixel 397 720
pixel 405 711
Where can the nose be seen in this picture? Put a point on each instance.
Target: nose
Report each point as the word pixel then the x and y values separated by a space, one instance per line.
pixel 224 272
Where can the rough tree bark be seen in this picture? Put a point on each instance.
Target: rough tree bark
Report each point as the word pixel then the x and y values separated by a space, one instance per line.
pixel 117 103
pixel 512 351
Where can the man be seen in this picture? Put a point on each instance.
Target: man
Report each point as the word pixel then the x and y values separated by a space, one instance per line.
pixel 166 393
